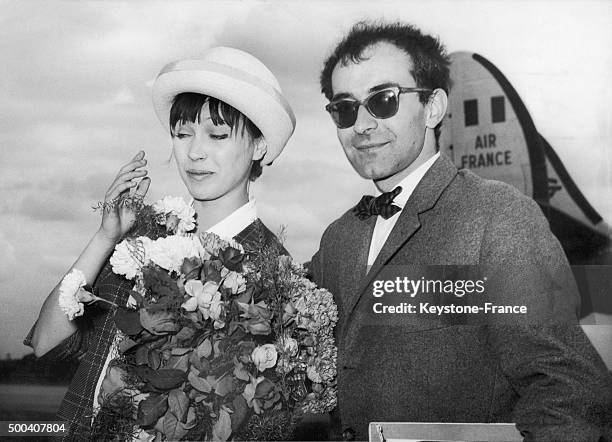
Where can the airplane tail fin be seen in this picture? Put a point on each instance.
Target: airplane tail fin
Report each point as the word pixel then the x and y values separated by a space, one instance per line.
pixel 489 130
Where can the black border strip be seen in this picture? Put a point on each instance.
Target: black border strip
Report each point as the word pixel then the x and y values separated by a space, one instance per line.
pixel 539 177
pixel 573 190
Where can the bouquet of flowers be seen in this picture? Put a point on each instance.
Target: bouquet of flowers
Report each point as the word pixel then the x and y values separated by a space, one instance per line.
pixel 214 342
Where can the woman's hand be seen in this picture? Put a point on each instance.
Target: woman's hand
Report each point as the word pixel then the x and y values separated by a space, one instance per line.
pixel 117 216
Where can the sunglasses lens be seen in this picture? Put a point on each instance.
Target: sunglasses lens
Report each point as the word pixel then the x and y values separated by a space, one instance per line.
pixel 383 104
pixel 344 113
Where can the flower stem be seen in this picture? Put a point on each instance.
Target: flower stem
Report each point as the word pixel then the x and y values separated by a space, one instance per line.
pixel 97 298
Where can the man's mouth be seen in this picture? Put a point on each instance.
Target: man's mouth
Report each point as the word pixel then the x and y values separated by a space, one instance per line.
pixel 369 145
pixel 198 175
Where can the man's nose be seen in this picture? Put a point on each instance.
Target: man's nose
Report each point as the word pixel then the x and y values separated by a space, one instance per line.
pixel 365 122
pixel 197 148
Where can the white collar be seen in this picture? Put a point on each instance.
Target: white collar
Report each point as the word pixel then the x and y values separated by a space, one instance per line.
pixel 235 222
pixel 410 182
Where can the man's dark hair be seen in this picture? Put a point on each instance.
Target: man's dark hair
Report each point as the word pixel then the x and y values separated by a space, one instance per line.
pixel 429 58
pixel 187 106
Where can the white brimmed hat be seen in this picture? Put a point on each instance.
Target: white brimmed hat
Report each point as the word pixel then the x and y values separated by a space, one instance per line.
pixel 238 79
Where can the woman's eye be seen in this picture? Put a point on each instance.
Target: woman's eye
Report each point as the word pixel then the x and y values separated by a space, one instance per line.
pixel 180 135
pixel 219 136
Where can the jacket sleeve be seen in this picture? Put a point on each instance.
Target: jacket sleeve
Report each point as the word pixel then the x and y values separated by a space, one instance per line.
pixel 564 388
pixel 74 346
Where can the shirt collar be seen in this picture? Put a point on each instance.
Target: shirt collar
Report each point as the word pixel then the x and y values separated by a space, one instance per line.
pixel 411 181
pixel 235 222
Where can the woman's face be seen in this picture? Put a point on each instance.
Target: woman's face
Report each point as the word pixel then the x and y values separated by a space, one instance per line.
pixel 213 161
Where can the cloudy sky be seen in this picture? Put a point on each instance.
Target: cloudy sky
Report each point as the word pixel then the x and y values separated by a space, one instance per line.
pixel 75 86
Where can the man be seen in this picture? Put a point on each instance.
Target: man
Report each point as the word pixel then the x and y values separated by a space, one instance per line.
pixel 387 85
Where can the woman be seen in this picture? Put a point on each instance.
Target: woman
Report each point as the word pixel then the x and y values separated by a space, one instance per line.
pixel 227 118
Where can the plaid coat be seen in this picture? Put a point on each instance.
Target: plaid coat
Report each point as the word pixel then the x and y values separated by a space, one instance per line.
pixel 91 342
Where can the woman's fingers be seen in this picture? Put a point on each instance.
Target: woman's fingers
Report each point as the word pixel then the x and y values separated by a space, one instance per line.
pixel 136 162
pixel 126 179
pixel 127 176
pixel 115 191
pixel 143 187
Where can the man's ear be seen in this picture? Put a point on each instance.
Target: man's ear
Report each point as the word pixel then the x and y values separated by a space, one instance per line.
pixel 436 108
pixel 259 149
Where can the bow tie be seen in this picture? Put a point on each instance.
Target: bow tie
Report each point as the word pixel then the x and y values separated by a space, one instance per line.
pixel 381 205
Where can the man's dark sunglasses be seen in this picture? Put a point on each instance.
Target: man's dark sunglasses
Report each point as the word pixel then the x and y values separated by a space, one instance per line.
pixel 380 104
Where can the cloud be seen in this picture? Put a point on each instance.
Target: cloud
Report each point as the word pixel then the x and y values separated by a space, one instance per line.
pixel 124 96
pixel 7 257
pixel 47 206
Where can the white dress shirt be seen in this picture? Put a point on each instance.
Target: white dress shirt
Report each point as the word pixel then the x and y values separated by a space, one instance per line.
pixel 384 226
pixel 227 228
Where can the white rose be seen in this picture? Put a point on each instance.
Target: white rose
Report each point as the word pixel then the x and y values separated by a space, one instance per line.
pixel 264 356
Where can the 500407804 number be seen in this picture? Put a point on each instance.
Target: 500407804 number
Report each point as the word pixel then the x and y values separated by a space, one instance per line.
pixel 32 428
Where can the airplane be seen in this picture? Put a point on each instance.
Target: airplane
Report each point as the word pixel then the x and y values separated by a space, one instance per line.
pixel 488 130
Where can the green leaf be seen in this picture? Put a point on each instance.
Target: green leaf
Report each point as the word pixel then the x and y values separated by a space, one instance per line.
pixel 241 372
pixel 263 388
pixel 204 350
pixel 224 386
pixel 223 427
pixel 142 372
pixel 163 303
pixel 198 383
pixel 172 428
pixel 142 355
pixel 245 297
pixel 221 369
pixel 137 297
pixel 185 334
pixel 201 364
pixel 158 322
pixel 166 378
pixel 151 409
pixel 211 271
pixel 231 258
pixel 192 420
pixel 154 359
pixel 180 351
pixel 126 344
pixel 179 362
pixel 241 412
pixel 191 268
pixel 178 402
pixel 128 321
pixel 194 317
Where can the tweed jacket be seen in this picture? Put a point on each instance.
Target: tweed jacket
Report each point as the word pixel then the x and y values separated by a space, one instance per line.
pixel 91 342
pixel 538 370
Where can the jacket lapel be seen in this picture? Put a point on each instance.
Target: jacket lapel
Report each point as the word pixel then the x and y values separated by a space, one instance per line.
pixel 356 247
pixel 424 197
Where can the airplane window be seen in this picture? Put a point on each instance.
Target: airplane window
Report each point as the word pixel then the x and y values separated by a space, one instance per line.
pixel 470 110
pixel 498 109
